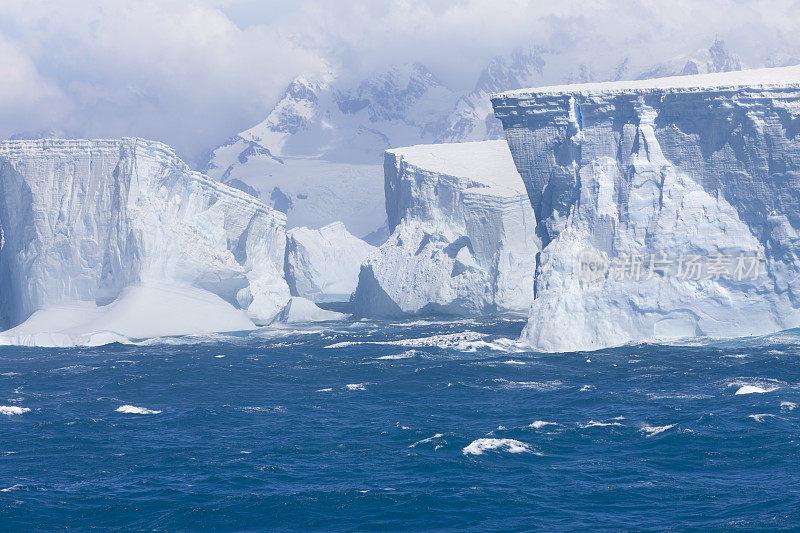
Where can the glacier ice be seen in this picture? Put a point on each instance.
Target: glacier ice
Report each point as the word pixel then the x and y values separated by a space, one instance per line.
pixel 317 154
pixel 463 236
pixel 705 165
pixel 302 310
pixel 120 236
pixel 323 264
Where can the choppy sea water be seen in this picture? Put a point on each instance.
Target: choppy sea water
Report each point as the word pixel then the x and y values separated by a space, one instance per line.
pixel 400 426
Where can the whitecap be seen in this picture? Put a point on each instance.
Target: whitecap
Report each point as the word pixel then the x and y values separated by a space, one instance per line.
pixel 356 386
pixel 535 385
pixel 480 446
pixel 760 417
pixel 133 410
pixel 324 390
pixel 586 388
pixel 75 369
pixel 755 385
pixel 596 424
pixel 10 410
pixel 408 354
pixel 752 389
pixel 788 406
pixel 514 362
pixel 344 344
pixel 466 341
pixel 12 488
pixel 429 439
pixel 655 430
pixel 541 423
pixel 260 409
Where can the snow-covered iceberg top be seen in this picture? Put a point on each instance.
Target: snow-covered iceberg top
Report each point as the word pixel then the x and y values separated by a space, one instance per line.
pixel 667 208
pixel 119 238
pixel 765 78
pixel 463 237
pixel 487 163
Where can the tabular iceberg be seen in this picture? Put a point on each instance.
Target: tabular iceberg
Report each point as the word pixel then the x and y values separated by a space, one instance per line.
pixel 648 176
pixel 323 264
pixel 463 236
pixel 108 239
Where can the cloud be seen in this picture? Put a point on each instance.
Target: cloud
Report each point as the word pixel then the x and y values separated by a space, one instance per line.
pixel 193 72
pixel 177 71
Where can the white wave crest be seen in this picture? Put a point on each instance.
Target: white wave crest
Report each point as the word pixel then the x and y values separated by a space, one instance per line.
pixel 752 389
pixel 539 424
pixel 760 417
pixel 480 446
pixel 356 386
pixel 10 410
pixel 466 341
pixel 429 439
pixel 655 430
pixel 408 354
pixel 133 410
pixel 755 385
pixel 788 406
pixel 535 385
pixel 595 424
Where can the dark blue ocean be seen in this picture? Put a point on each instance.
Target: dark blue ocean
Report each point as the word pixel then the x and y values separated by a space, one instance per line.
pixel 400 426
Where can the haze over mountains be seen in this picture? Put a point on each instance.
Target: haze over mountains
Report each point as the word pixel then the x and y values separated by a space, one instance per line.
pixel 317 156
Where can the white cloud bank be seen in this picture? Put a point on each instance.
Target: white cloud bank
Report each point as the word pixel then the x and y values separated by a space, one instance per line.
pixel 193 72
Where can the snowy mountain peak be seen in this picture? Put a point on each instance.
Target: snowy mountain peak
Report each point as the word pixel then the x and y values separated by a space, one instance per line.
pixel 513 71
pixel 716 58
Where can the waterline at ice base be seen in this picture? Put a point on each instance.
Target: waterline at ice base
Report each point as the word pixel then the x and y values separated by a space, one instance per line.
pixel 405 266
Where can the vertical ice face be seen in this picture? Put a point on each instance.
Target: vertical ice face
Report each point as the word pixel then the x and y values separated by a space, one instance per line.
pixel 82 221
pixel 699 168
pixel 323 264
pixel 463 239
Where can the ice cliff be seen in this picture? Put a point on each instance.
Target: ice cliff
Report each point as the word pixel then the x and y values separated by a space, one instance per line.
pixel 463 236
pixel 110 239
pixel 323 264
pixel 635 184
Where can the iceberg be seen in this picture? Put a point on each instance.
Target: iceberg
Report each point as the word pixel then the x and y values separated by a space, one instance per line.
pixel 302 310
pixel 463 238
pixel 667 208
pixel 323 265
pixel 113 239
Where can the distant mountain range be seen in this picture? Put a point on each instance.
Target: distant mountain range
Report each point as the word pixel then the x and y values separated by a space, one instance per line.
pixel 318 154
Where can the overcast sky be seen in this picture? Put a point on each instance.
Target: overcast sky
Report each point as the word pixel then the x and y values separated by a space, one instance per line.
pixel 194 72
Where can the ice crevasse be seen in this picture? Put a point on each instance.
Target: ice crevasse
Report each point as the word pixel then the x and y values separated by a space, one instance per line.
pixel 113 239
pixel 704 166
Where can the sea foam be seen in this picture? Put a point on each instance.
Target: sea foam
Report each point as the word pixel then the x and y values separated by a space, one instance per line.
pixel 10 410
pixel 480 446
pixel 133 410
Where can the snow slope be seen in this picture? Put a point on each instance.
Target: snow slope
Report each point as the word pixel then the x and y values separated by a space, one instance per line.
pixel 123 230
pixel 321 145
pixel 463 239
pixel 663 170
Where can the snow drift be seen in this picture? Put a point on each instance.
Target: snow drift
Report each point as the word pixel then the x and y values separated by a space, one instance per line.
pixel 704 166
